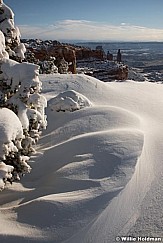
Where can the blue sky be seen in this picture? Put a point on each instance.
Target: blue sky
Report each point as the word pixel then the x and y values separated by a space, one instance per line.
pixel 89 19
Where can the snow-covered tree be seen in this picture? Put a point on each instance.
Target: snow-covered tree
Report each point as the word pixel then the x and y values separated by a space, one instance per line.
pixel 48 66
pixel 62 66
pixel 22 115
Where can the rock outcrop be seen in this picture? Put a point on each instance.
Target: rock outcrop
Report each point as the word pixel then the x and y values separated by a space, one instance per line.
pixel 44 50
pixel 117 73
pixel 87 53
pixel 91 62
pixel 104 70
pixel 66 53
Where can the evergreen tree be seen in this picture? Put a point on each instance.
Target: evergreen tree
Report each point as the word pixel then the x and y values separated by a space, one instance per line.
pixel 22 115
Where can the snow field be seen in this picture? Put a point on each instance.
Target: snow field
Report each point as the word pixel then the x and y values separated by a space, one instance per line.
pixel 94 176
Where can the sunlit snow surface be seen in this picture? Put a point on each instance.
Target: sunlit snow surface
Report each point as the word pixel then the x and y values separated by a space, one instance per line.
pixel 98 171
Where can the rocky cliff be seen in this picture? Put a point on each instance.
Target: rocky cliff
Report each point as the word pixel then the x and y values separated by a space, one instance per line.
pixel 92 62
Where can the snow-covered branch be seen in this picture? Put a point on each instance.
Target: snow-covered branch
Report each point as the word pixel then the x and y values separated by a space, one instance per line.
pixel 22 107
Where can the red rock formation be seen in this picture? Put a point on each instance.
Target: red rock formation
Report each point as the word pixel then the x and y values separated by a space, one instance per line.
pixel 119 56
pixel 40 54
pixel 119 73
pixel 86 53
pixel 109 74
pixel 68 52
pixel 72 53
pixel 109 56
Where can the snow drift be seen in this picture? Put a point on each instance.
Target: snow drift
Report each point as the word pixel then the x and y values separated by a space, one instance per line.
pixel 98 173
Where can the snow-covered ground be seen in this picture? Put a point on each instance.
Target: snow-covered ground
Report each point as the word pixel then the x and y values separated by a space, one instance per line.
pixel 98 171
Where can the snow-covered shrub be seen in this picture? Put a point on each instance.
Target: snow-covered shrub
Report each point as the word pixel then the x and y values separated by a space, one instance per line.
pixel 10 43
pixel 5 174
pixel 11 33
pixel 48 66
pixel 69 101
pixel 11 137
pixel 3 52
pixel 19 51
pixel 24 98
pixel 62 66
pixel 23 119
pixel 15 73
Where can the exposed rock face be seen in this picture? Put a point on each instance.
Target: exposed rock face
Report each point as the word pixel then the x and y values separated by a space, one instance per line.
pixel 39 54
pixel 59 52
pixel 86 53
pixel 43 51
pixel 103 70
pixel 109 56
pixel 67 53
pixel 119 56
pixel 117 73
pixel 97 63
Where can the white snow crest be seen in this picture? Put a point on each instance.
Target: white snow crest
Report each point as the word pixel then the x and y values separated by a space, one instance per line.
pixel 10 126
pixel 69 101
pixel 16 73
pixel 10 131
pixel 3 52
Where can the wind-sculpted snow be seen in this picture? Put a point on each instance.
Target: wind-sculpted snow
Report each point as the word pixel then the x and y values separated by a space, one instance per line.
pixel 96 167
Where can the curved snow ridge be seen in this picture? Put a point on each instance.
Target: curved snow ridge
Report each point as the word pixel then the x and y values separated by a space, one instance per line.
pixel 103 159
pixel 114 154
pixel 122 212
pixel 53 215
pixel 73 197
pixel 96 169
pixel 108 158
pixel 92 119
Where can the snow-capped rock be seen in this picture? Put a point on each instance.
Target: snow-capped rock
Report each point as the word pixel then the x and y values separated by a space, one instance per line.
pixel 69 101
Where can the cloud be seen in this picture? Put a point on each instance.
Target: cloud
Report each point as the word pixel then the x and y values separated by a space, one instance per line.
pixel 89 30
pixel 123 24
